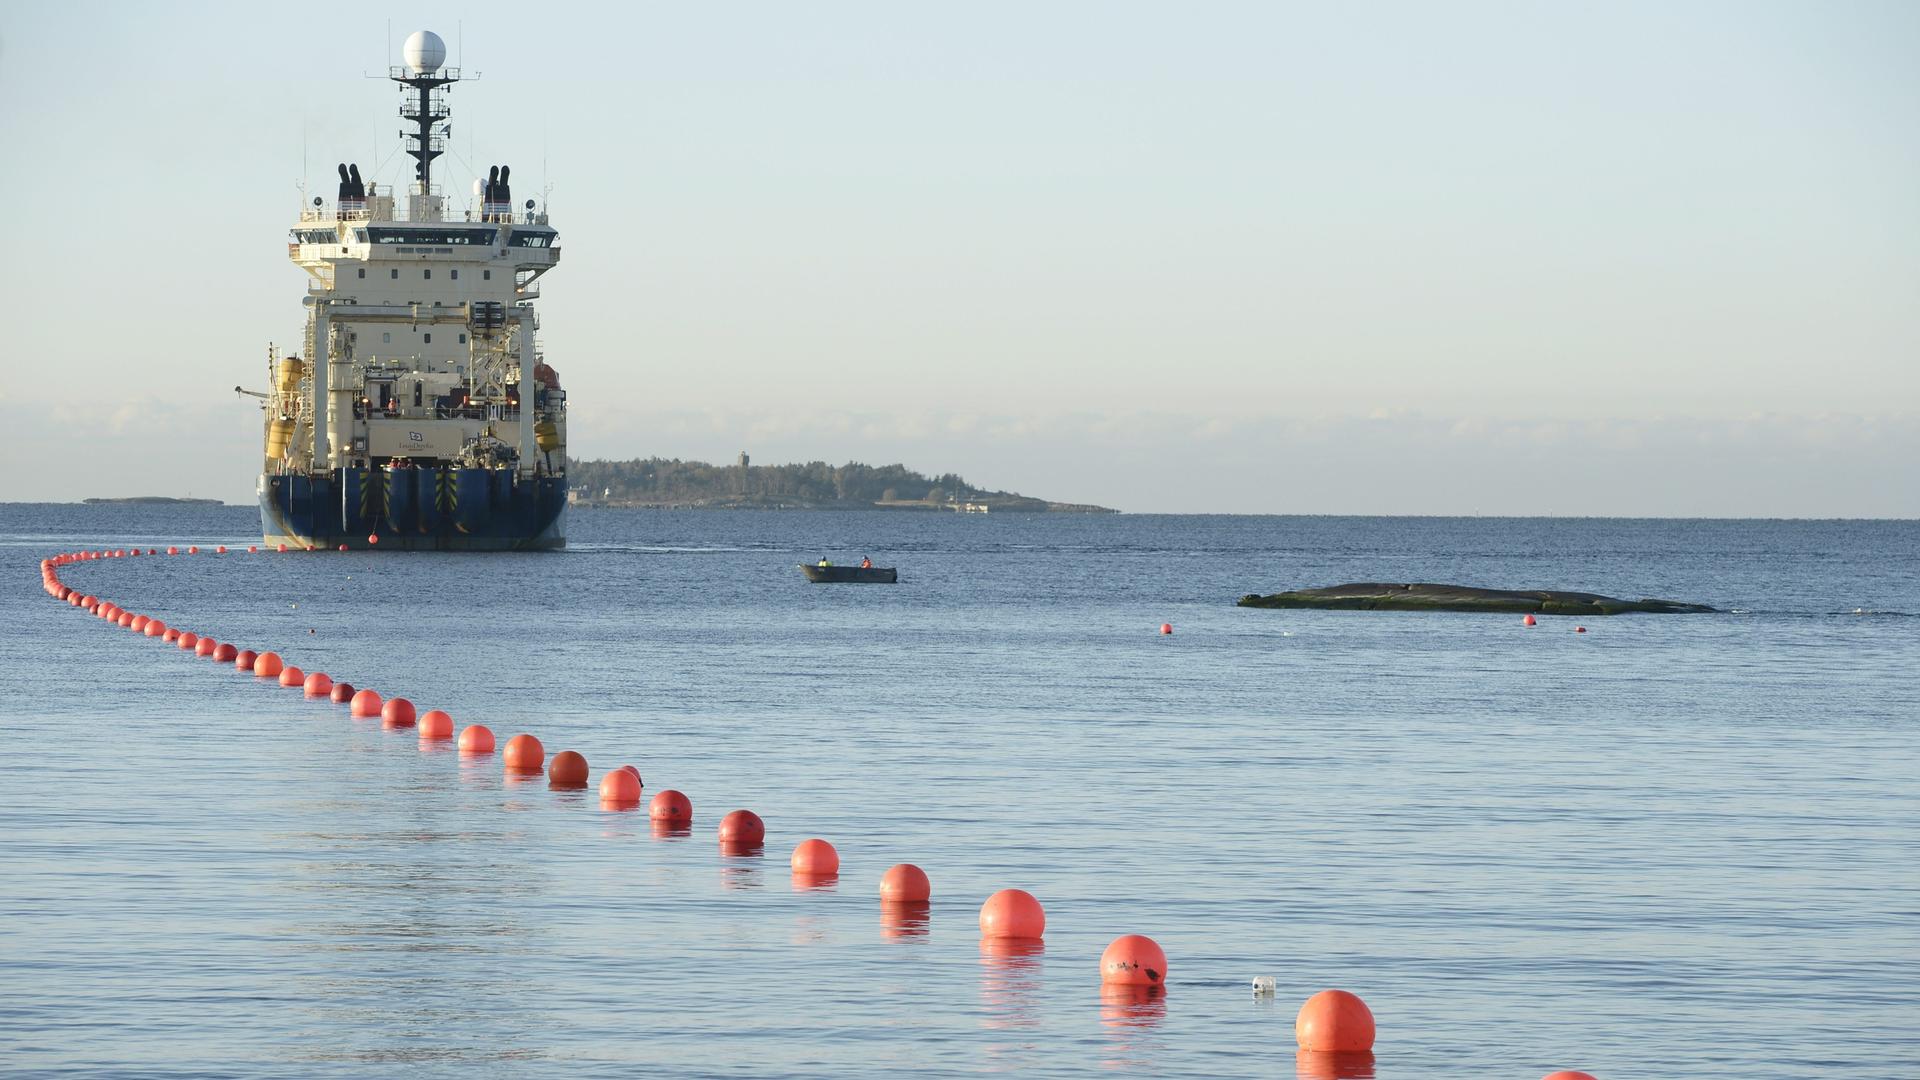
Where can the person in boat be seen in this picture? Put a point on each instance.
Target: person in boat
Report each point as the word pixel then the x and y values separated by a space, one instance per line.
pixel 866 563
pixel 824 563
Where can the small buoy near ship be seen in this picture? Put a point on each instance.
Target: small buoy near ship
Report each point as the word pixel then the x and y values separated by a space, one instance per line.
pixel 742 829
pixel 397 712
pixel 1334 1021
pixel 905 883
pixel 815 858
pixel 1579 629
pixel 524 754
pixel 619 790
pixel 1012 913
pixel 1166 628
pixel 567 770
pixel 1134 960
pixel 671 806
pixel 1528 619
pixel 372 538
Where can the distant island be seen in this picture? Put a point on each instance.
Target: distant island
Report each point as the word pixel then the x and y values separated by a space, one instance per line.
pixel 816 485
pixel 156 500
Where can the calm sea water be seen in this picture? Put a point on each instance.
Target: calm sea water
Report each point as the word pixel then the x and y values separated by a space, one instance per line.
pixel 1672 846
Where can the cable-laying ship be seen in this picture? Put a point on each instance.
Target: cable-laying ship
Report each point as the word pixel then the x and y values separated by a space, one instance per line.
pixel 420 414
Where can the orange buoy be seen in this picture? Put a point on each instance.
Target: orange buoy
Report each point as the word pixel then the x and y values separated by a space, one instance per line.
pixel 291 676
pixel 568 769
pixel 1012 913
pixel 436 724
pixel 243 660
pixel 619 789
pixel 742 829
pixel 1134 960
pixel 170 636
pixel 670 806
pixel 397 712
pixel 187 640
pixel 905 883
pixel 224 653
pixel 373 538
pixel 1334 1021
pixel 343 547
pixel 155 628
pixel 1166 628
pixel 268 665
pixel 364 703
pixel 476 739
pixel 1579 629
pixel 137 624
pixel 318 684
pixel 816 858
pixel 341 693
pixel 1570 1074
pixel 524 754
pixel 221 550
pixel 282 548
pixel 171 550
pixel 193 550
pixel 1529 620
pixel 253 549
pixel 126 619
pixel 636 774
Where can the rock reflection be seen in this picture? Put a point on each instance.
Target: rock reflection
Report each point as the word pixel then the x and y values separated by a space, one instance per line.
pixel 1010 982
pixel 905 919
pixel 1321 1065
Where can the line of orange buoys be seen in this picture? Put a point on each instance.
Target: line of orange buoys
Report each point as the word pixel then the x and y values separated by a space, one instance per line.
pixel 1334 1029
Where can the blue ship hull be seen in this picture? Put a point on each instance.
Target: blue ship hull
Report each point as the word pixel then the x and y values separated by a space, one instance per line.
pixel 412 509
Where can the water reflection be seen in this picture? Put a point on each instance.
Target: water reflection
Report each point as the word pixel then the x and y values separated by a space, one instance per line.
pixel 1133 1015
pixel 740 869
pixel 1321 1065
pixel 1010 970
pixel 668 830
pixel 1132 1006
pixel 804 882
pixel 905 919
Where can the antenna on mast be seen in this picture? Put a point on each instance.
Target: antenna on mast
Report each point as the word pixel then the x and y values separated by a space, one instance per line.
pixel 426 106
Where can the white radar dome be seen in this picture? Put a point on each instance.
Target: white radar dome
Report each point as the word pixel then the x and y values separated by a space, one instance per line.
pixel 424 52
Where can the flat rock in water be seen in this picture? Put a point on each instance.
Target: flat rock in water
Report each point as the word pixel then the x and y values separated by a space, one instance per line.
pixel 1374 596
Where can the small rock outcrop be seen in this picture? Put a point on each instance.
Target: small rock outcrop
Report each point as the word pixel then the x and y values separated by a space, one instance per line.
pixel 1374 596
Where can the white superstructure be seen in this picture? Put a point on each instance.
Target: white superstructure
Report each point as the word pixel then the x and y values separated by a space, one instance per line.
pixel 421 340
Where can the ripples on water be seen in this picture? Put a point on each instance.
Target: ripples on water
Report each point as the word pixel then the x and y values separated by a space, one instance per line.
pixel 1671 846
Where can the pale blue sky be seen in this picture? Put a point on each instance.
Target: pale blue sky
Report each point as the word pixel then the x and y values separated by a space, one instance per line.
pixel 1496 258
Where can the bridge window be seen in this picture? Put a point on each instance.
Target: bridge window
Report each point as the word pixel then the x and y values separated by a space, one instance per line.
pixel 428 337
pixel 456 275
pixel 363 271
pixel 426 273
pixel 395 272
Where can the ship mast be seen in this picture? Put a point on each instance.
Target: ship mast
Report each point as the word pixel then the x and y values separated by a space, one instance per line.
pixel 423 101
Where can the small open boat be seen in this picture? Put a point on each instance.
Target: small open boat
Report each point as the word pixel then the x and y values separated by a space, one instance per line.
pixel 864 575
